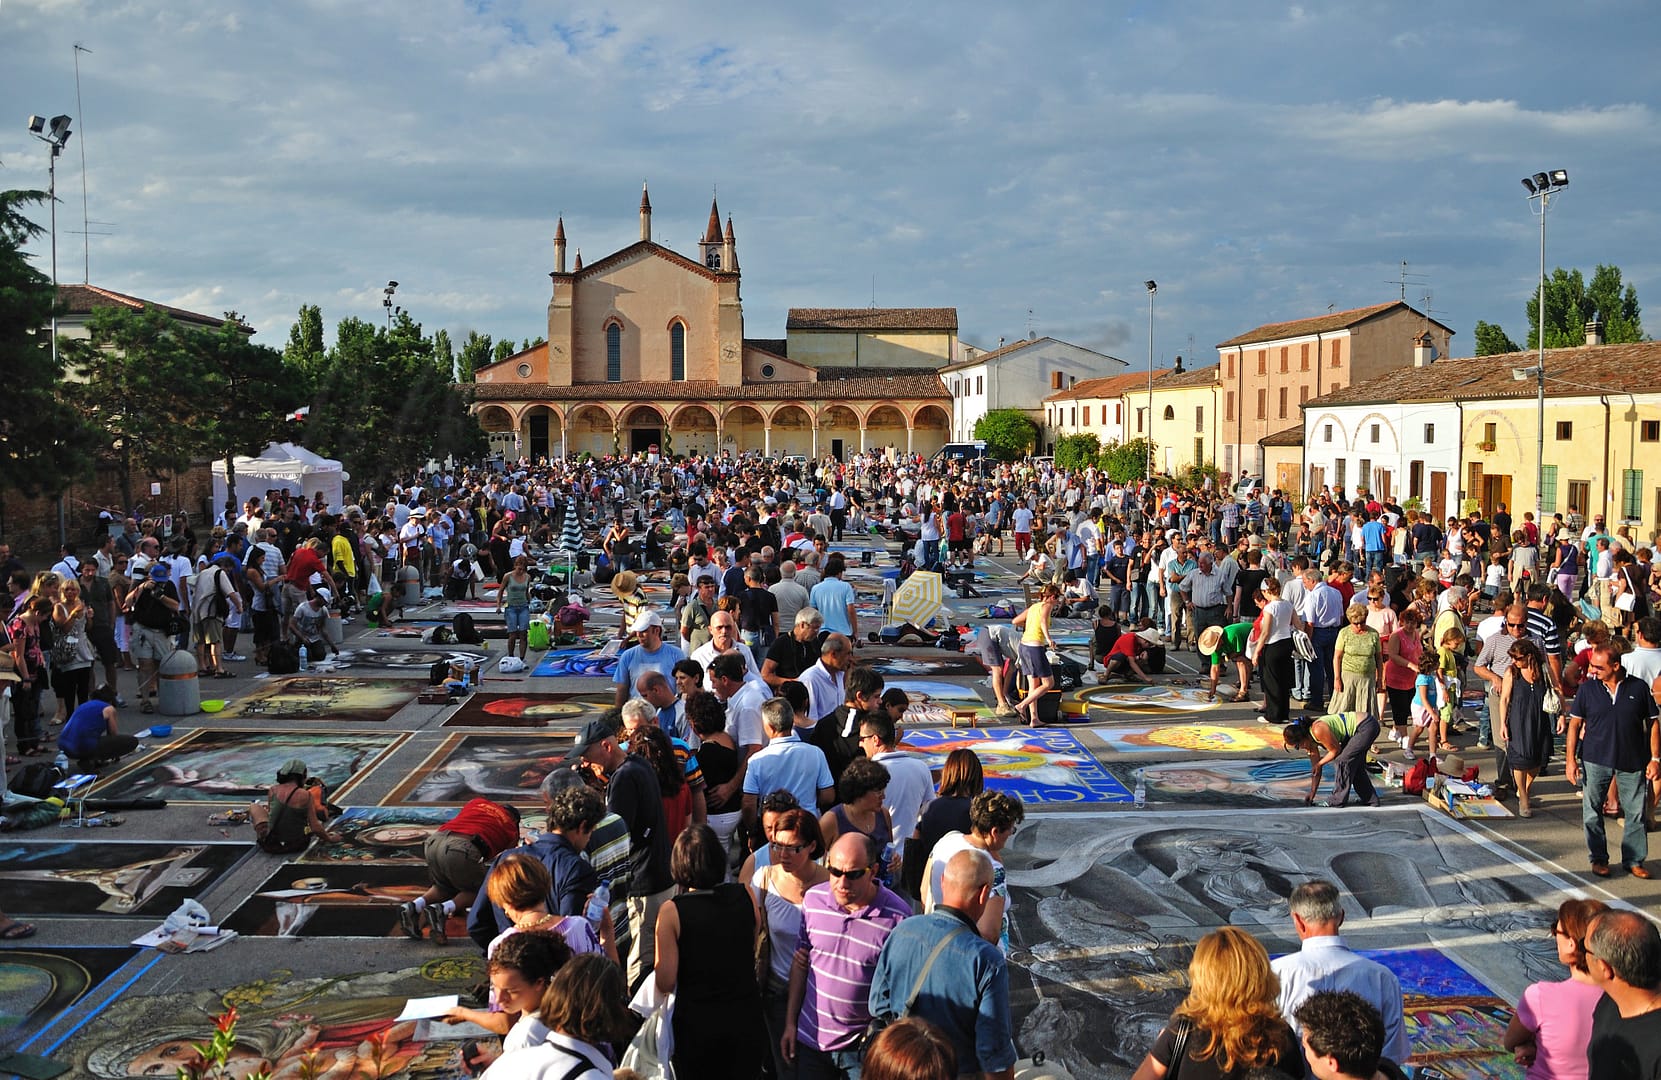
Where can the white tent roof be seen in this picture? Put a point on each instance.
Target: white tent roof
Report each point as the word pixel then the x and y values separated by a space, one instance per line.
pixel 284 465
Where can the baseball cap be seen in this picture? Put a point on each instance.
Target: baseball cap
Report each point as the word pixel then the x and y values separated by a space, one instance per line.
pixel 159 572
pixel 595 731
pixel 293 767
pixel 645 619
pixel 326 596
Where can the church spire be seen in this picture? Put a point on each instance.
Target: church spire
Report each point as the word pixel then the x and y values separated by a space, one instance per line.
pixel 645 213
pixel 712 231
pixel 576 268
pixel 729 249
pixel 559 246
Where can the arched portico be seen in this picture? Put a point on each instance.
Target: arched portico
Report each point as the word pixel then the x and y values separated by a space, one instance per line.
pixel 885 425
pixel 590 430
pixel 790 430
pixel 841 434
pixel 641 427
pixel 692 430
pixel 931 428
pixel 743 429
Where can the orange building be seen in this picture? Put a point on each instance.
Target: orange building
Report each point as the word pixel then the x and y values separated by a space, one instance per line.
pixel 646 347
pixel 1267 373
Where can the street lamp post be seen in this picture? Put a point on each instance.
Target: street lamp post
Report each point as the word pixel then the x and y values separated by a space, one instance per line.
pixel 386 301
pixel 1152 287
pixel 1541 187
pixel 55 134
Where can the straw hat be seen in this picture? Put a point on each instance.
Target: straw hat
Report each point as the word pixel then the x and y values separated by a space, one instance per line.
pixel 1210 638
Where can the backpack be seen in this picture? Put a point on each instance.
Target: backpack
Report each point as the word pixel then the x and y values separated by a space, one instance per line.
pixel 466 633
pixel 220 605
pixel 1153 661
pixel 537 634
pixel 36 779
pixel 1414 782
pixel 282 658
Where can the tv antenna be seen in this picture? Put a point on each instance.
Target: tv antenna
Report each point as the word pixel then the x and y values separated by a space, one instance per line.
pixel 1418 281
pixel 86 225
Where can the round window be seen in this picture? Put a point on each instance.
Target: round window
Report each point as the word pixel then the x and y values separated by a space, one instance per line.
pixel 524 371
pixel 767 371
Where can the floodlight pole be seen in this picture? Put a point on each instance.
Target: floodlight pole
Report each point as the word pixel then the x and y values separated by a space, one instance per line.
pixel 1147 474
pixel 1541 187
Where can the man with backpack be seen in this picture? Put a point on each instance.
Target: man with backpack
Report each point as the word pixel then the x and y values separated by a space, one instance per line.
pixel 153 606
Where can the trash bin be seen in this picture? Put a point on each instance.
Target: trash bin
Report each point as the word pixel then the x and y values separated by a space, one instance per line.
pixel 178 691
pixel 409 581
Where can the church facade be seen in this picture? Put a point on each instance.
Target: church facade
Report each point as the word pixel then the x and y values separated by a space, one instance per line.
pixel 646 348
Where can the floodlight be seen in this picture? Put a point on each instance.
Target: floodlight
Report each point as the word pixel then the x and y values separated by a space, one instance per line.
pixel 1529 184
pixel 1560 177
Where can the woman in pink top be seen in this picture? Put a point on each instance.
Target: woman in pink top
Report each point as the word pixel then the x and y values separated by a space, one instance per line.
pixel 1553 1022
pixel 1402 648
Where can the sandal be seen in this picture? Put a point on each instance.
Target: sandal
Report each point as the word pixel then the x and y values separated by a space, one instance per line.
pixel 147 706
pixel 15 930
pixel 13 759
pixel 224 674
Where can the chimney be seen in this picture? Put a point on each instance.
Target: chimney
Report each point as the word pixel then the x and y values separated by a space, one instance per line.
pixel 1424 350
pixel 1594 332
pixel 1179 366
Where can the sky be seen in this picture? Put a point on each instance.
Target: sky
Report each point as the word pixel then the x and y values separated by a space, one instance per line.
pixel 1030 165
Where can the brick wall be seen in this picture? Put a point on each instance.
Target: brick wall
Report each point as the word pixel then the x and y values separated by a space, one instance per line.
pixel 31 525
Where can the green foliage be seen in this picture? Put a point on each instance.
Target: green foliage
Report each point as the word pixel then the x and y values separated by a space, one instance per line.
pixel 1077 451
pixel 304 355
pixel 253 396
pixel 212 1057
pixel 1491 340
pixel 1194 476
pixel 1126 461
pixel 1571 303
pixel 383 406
pixel 444 354
pixel 147 385
pixel 531 344
pixel 503 350
pixel 475 354
pixel 45 442
pixel 1008 433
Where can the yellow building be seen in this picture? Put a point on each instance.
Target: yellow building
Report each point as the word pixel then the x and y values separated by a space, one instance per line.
pixel 1185 412
pixel 646 348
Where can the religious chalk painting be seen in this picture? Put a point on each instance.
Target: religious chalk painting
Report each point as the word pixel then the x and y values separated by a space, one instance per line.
pixel 351 901
pixel 1106 907
pixel 378 834
pixel 323 698
pixel 507 768
pixel 565 711
pixel 120 878
pixel 343 1024
pixel 235 766
pixel 1033 764
pixel 576 663
pixel 1242 782
pixel 1203 738
pixel 38 984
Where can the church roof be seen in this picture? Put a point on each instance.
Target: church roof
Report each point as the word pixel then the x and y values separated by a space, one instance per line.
pixel 944 319
pixel 649 247
pixel 712 231
pixel 776 345
pixel 1320 324
pixel 911 385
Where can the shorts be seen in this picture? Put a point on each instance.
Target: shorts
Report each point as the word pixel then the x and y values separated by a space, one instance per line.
pixel 151 644
pixel 957 546
pixel 518 618
pixel 993 531
pixel 210 631
pixel 455 862
pixel 1035 661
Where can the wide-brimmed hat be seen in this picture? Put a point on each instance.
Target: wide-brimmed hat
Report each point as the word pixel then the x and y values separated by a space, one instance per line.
pixel 1451 765
pixel 1210 638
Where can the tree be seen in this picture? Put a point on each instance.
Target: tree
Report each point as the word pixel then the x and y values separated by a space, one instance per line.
pixel 253 396
pixel 533 343
pixel 1007 433
pixel 1571 303
pixel 503 350
pixel 1124 462
pixel 45 442
pixel 304 355
pixel 475 354
pixel 1076 451
pixel 147 385
pixel 444 354
pixel 1491 340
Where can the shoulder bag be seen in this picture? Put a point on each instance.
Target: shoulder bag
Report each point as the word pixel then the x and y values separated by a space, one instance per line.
pixel 1179 1046
pixel 763 942
pixel 879 1023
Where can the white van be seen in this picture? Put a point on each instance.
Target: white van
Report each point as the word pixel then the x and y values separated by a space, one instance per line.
pixel 1248 488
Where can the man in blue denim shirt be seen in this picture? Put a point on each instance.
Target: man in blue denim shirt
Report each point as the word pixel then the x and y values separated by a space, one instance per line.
pixel 966 991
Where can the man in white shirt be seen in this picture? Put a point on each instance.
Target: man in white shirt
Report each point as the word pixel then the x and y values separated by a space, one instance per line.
pixel 910 784
pixel 743 699
pixel 1325 963
pixel 723 639
pixel 827 680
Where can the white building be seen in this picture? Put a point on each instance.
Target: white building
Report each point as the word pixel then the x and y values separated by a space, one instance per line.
pixel 1018 376
pixel 1397 436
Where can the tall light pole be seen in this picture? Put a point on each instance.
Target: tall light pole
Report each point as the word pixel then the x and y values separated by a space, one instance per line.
pixel 1152 287
pixel 386 301
pixel 54 134
pixel 1541 187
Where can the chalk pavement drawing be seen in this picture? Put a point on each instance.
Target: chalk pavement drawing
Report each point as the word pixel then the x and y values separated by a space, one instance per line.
pixel 1034 764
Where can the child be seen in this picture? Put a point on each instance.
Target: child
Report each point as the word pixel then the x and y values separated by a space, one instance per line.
pixel 520 964
pixel 1493 579
pixel 1429 702
pixel 1448 651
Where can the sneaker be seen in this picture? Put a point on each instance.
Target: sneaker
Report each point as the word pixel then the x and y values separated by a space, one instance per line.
pixel 235 657
pixel 120 702
pixel 410 919
pixel 1484 744
pixel 435 923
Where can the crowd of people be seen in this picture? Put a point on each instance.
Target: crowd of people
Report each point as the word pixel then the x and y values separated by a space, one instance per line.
pixel 741 830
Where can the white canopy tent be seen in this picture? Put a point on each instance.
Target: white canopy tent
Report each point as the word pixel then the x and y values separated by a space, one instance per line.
pixel 283 467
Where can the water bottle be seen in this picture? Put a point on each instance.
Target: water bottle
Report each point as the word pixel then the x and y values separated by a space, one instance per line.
pixel 62 763
pixel 596 910
pixel 305 658
pixel 1141 798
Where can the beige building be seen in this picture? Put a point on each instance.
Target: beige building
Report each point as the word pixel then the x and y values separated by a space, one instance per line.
pixel 1184 404
pixel 1092 407
pixel 1269 372
pixel 646 348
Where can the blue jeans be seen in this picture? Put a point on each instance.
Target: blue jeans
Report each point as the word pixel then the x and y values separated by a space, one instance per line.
pixel 1375 561
pixel 1300 678
pixel 1629 786
pixel 814 1064
pixel 1153 605
pixel 1325 640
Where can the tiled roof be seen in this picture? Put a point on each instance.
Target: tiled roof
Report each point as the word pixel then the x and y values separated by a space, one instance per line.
pixel 85 299
pixel 1110 387
pixel 1575 372
pixel 1320 324
pixel 911 386
pixel 776 345
pixel 944 318
pixel 1292 436
pixel 1014 346
pixel 1177 380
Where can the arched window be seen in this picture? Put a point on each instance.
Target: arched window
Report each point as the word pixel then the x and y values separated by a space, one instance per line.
pixel 677 351
pixel 614 352
pixel 1170 413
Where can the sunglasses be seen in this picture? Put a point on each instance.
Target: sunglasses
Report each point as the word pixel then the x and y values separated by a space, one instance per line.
pixel 788 849
pixel 850 875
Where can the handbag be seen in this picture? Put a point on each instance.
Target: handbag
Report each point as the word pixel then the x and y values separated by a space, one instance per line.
pixel 763 942
pixel 1302 646
pixel 645 1053
pixel 1627 601
pixel 1552 703
pixel 880 1023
